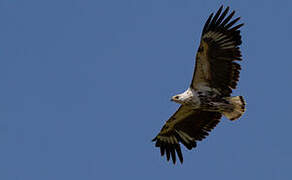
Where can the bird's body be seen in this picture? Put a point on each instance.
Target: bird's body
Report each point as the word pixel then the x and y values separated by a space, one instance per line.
pixel 206 99
pixel 209 95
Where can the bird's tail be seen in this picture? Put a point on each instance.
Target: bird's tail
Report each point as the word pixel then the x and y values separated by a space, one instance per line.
pixel 238 108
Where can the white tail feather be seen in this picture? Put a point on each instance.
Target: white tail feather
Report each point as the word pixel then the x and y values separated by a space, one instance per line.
pixel 238 108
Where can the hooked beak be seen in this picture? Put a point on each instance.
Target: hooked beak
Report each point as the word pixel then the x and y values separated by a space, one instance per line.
pixel 173 98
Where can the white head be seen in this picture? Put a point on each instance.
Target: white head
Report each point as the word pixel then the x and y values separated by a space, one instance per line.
pixel 184 97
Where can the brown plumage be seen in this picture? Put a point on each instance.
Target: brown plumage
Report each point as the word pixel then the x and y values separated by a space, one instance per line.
pixel 219 49
pixel 216 69
pixel 181 127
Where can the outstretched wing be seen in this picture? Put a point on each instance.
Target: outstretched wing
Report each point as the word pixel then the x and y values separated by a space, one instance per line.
pixel 215 66
pixel 186 126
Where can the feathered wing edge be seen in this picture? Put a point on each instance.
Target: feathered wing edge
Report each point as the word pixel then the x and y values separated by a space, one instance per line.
pixel 220 25
pixel 220 47
pixel 186 130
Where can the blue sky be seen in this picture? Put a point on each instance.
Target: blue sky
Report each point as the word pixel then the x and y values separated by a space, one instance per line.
pixel 86 85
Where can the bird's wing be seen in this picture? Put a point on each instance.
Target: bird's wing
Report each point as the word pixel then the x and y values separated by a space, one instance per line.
pixel 186 126
pixel 217 53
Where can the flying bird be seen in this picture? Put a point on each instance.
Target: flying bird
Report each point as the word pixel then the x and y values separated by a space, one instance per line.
pixel 209 95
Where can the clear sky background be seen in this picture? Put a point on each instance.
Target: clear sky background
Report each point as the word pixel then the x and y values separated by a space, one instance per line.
pixel 86 85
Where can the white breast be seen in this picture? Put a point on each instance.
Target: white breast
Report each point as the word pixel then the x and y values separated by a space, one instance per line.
pixel 191 97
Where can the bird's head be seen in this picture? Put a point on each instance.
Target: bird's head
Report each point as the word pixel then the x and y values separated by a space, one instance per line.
pixel 180 98
pixel 176 98
pixel 183 98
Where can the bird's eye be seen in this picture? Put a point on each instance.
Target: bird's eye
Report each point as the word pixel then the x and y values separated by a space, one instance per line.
pixel 176 97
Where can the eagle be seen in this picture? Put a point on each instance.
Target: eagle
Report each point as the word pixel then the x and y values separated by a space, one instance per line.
pixel 209 94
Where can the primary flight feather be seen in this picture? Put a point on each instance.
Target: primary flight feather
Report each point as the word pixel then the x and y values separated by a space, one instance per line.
pixel 208 97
